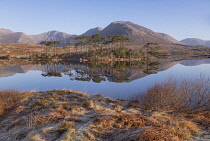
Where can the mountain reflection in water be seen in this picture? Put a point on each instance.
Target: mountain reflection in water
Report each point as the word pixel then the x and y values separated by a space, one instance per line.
pixel 113 79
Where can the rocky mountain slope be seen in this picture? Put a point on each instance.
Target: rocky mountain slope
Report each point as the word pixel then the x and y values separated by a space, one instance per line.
pixel 136 33
pixel 196 42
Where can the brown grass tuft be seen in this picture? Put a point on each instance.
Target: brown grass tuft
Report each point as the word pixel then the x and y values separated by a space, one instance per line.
pixel 88 136
pixel 89 104
pixel 2 109
pixel 121 121
pixel 59 109
pixel 65 125
pixel 201 118
pixel 189 126
pixel 19 109
pixel 74 118
pixel 117 107
pixel 162 133
pixel 58 114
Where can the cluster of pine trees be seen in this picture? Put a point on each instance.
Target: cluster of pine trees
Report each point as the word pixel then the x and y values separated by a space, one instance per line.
pixel 99 47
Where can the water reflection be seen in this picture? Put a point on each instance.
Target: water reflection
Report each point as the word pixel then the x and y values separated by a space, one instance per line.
pixel 100 77
pixel 100 71
pixel 195 62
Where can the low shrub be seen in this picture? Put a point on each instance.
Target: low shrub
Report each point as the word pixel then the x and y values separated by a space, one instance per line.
pixel 177 97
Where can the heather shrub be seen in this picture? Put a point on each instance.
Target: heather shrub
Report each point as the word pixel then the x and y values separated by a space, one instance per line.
pixel 177 97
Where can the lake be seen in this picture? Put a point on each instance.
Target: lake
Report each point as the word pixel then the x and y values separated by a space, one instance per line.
pixel 116 80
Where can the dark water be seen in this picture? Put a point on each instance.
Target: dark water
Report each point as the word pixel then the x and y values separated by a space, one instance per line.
pixel 116 80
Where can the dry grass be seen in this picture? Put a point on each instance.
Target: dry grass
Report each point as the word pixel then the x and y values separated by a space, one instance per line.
pixel 19 109
pixel 74 109
pixel 69 136
pixel 65 125
pixel 10 99
pixel 88 136
pixel 190 126
pixel 37 137
pixel 160 126
pixel 202 118
pixel 121 121
pixel 57 115
pixel 161 133
pixel 172 131
pixel 73 118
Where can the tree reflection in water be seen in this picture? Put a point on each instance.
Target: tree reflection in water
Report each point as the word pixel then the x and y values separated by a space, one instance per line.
pixel 118 71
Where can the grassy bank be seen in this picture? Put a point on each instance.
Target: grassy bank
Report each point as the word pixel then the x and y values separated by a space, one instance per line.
pixel 64 115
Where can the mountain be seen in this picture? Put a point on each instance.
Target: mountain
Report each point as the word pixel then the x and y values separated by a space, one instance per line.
pixel 136 33
pixel 8 36
pixel 93 31
pixel 196 42
pixel 51 36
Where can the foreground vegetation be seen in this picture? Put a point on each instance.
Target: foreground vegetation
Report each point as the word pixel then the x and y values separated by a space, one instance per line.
pixel 65 115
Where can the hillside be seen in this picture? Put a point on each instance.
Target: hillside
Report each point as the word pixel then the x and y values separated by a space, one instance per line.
pixel 196 42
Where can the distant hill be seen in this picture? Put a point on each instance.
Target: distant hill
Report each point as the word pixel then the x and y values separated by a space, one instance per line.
pixel 8 36
pixel 93 31
pixel 136 33
pixel 196 42
pixel 52 36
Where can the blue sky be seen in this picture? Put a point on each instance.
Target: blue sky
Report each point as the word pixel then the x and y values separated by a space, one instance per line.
pixel 178 18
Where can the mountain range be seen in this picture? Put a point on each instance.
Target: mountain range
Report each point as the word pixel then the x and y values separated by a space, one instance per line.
pixel 136 33
pixel 196 42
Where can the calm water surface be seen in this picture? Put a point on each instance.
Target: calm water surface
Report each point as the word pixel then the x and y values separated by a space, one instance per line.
pixel 115 81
